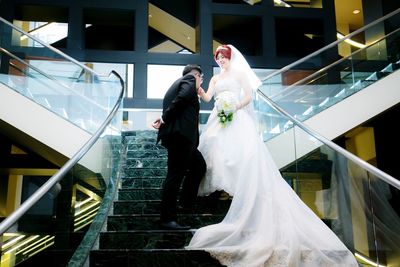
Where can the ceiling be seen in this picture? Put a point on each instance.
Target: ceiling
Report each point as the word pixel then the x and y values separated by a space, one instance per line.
pixel 184 34
pixel 344 13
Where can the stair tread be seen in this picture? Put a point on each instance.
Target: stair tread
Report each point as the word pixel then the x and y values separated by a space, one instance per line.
pixel 152 257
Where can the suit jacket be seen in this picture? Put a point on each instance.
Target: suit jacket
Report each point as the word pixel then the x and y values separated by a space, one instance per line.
pixel 180 112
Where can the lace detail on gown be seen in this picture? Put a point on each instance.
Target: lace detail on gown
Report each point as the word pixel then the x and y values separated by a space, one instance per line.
pixel 267 224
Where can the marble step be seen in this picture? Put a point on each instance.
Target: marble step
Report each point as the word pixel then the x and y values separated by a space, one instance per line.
pixel 145 239
pixel 142 183
pixel 141 139
pixel 153 206
pixel 149 146
pixel 151 257
pixel 128 135
pixel 128 183
pixel 139 194
pixel 151 221
pixel 147 153
pixel 146 163
pixel 144 172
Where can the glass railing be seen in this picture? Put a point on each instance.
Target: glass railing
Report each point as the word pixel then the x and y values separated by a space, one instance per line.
pixel 355 199
pixel 328 76
pixel 54 227
pixel 55 81
pixel 345 196
pixel 343 191
pixel 56 211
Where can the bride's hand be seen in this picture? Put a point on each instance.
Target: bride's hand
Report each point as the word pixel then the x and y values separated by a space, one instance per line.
pixel 238 106
pixel 200 91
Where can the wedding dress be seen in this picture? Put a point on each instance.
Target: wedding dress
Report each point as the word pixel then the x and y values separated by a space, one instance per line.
pixel 267 223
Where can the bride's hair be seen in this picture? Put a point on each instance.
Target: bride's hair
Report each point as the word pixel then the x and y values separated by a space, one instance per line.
pixel 225 50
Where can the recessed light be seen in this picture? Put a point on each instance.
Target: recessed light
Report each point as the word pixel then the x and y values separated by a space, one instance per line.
pixel 356 11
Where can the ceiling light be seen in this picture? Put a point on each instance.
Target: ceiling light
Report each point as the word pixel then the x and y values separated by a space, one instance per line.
pixel 356 11
pixel 349 41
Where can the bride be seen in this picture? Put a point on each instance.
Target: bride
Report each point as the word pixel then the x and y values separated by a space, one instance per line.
pixel 267 224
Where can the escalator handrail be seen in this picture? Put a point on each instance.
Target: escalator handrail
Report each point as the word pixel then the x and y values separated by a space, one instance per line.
pixel 70 90
pixel 324 69
pixel 335 43
pixel 8 53
pixel 35 197
pixel 55 50
pixel 365 165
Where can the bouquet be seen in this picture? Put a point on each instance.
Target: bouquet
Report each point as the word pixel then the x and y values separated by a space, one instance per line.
pixel 225 104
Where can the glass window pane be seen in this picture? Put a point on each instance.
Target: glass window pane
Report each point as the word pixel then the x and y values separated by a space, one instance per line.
pixel 53 33
pixel 159 79
pixel 109 29
pixel 228 29
pixel 172 28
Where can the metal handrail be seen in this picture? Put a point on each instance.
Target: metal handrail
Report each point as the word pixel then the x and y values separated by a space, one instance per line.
pixel 297 62
pixel 55 50
pixel 27 204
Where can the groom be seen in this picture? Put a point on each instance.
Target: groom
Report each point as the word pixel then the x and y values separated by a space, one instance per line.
pixel 179 133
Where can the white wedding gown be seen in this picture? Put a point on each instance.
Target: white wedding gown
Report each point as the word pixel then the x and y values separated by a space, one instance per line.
pixel 267 223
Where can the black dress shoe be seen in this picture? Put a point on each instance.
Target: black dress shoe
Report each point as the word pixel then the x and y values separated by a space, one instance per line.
pixel 173 225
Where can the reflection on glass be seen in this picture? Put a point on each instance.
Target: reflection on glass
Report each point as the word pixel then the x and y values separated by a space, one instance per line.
pixel 305 92
pixel 49 32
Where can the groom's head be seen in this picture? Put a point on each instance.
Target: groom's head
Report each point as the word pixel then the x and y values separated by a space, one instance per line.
pixel 191 68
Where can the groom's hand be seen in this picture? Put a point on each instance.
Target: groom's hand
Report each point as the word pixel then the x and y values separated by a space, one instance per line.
pixel 157 123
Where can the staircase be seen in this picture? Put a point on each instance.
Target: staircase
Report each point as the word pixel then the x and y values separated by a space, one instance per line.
pixel 133 236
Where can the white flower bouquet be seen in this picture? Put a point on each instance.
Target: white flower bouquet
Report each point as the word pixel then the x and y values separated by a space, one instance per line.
pixel 225 104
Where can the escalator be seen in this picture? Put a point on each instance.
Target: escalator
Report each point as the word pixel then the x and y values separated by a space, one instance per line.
pixel 58 146
pixel 346 92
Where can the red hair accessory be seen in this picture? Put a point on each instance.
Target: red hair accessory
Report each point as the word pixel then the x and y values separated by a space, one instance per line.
pixel 224 50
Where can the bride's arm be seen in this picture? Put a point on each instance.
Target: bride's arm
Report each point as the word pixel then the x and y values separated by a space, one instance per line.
pixel 206 96
pixel 247 98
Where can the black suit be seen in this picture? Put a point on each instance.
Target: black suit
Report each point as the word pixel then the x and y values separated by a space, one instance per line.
pixel 179 133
